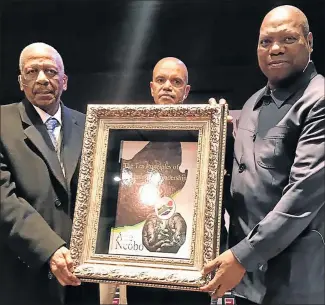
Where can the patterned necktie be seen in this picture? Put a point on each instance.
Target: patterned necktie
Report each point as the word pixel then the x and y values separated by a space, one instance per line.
pixel 51 124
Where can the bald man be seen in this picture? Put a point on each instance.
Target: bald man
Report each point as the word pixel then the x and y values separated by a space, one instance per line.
pixel 276 232
pixel 169 85
pixel 40 147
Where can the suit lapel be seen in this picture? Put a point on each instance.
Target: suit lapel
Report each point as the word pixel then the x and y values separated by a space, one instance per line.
pixel 72 142
pixel 36 132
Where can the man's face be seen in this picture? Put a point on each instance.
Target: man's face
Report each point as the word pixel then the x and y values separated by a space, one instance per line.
pixel 42 78
pixel 169 83
pixel 283 49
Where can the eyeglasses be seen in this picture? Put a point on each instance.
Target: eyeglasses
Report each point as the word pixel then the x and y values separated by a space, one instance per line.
pixel 32 74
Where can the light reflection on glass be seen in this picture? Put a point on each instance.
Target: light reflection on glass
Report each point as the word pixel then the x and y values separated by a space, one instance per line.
pixel 149 194
pixel 155 178
pixel 127 177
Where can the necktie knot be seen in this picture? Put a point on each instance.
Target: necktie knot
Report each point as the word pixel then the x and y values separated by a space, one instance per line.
pixel 51 124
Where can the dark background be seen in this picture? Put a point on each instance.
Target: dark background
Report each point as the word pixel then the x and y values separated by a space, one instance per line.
pixel 110 47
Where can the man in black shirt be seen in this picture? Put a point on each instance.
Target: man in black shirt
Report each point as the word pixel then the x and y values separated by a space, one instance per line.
pixel 276 232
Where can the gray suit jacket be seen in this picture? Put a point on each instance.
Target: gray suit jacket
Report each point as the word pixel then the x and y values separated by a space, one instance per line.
pixel 277 216
pixel 37 202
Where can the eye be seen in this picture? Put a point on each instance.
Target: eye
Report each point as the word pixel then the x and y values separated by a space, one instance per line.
pixel 265 42
pixel 32 72
pixel 290 39
pixel 160 80
pixel 177 82
pixel 51 72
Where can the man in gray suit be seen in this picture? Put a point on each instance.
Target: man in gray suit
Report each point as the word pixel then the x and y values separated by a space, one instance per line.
pixel 40 147
pixel 276 235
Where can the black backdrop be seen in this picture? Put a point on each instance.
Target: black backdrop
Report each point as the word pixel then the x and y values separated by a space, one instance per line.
pixel 110 47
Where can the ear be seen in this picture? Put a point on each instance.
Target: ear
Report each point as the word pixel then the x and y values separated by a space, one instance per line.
pixel 187 91
pixel 20 83
pixel 65 82
pixel 310 41
pixel 151 88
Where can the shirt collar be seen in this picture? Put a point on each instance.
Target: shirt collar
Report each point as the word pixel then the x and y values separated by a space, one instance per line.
pixel 45 116
pixel 280 95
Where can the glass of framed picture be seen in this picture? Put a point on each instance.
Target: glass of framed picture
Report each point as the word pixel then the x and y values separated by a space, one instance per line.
pixel 148 208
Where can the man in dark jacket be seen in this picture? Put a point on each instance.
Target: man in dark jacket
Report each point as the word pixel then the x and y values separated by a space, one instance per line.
pixel 40 147
pixel 277 220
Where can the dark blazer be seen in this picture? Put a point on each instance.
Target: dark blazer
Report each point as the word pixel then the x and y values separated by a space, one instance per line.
pixel 37 203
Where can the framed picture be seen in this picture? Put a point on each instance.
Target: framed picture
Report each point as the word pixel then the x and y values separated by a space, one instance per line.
pixel 148 208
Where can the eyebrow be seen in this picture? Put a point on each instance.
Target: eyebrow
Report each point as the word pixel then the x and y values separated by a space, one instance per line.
pixel 171 76
pixel 46 65
pixel 284 31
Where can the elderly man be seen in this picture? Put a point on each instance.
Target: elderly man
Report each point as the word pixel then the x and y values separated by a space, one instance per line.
pixel 40 147
pixel 277 219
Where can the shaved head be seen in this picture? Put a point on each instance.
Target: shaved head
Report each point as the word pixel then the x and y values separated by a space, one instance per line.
pixel 36 48
pixel 285 45
pixel 171 61
pixel 169 83
pixel 285 12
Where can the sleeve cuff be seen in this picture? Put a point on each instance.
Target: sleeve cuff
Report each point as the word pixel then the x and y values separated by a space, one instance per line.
pixel 247 256
pixel 36 242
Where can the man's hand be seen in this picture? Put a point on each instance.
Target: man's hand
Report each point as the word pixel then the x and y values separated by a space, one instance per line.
pixel 222 101
pixel 61 266
pixel 229 273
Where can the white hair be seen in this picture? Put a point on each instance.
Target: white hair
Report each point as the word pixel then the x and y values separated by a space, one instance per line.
pixel 40 45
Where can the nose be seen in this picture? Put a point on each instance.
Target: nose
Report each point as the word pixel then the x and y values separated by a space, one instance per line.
pixel 167 84
pixel 276 48
pixel 41 78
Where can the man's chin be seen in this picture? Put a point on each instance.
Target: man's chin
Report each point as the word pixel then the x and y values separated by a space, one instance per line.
pixel 282 80
pixel 167 101
pixel 45 104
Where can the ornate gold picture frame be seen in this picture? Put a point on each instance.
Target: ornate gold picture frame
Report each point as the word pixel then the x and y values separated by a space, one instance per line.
pixel 148 209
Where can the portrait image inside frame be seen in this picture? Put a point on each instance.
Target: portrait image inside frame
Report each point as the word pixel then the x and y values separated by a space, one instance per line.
pixel 148 209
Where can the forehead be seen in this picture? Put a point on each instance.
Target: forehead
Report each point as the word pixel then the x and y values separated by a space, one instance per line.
pixel 170 69
pixel 277 25
pixel 40 56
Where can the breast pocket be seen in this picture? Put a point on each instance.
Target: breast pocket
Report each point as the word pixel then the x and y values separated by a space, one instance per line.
pixel 276 149
pixel 244 137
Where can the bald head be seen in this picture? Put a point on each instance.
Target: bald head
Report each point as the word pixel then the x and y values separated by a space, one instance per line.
pixel 171 62
pixel 37 48
pixel 169 81
pixel 288 12
pixel 285 45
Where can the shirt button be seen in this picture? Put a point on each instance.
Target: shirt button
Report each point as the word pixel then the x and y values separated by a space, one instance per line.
pixel 242 167
pixel 57 203
pixel 262 268
pixel 254 137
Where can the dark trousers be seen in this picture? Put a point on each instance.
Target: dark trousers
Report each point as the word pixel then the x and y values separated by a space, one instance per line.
pixel 159 296
pixel 86 294
pixel 243 301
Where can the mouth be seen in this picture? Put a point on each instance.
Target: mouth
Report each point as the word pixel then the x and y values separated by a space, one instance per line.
pixel 278 63
pixel 44 95
pixel 45 92
pixel 165 95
